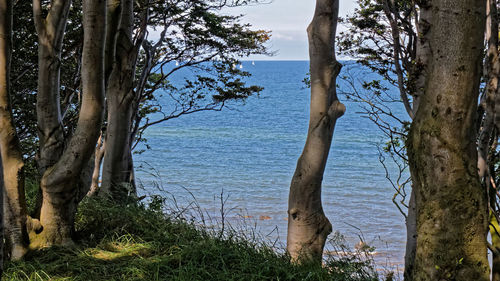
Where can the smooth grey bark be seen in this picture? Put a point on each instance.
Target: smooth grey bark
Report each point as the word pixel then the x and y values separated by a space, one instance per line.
pixel 12 163
pixel 96 173
pixel 50 32
pixel 59 181
pixel 117 172
pixel 452 217
pixel 423 53
pixel 308 227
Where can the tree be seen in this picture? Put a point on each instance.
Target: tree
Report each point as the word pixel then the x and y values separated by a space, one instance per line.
pixel 120 95
pixel 61 174
pixel 389 38
pixel 452 206
pixel 308 227
pixel 194 35
pixel 12 161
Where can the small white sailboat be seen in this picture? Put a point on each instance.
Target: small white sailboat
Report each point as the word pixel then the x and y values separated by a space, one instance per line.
pixel 176 63
pixel 253 63
pixel 241 66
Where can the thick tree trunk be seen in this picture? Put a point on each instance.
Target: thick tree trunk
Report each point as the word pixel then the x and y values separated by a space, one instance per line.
pixel 308 226
pixel 452 217
pixel 56 216
pixel 117 173
pixel 12 161
pixel 59 181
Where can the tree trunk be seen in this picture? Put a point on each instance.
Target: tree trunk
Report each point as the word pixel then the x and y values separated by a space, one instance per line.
pixel 308 227
pixel 419 76
pixel 452 217
pixel 2 188
pixel 117 175
pixel 96 173
pixel 59 181
pixel 49 119
pixel 411 237
pixel 12 161
pixel 115 170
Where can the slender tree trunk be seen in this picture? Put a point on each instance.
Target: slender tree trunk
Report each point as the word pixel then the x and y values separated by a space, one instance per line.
pixel 12 161
pixel 452 218
pixel 411 237
pixel 98 157
pixel 308 227
pixel 113 15
pixel 49 119
pixel 59 181
pixel 115 171
pixel 117 175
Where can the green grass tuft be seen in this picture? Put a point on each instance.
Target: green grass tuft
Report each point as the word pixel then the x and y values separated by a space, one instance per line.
pixel 135 242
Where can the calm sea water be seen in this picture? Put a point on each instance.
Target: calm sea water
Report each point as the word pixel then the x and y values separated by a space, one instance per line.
pixel 249 153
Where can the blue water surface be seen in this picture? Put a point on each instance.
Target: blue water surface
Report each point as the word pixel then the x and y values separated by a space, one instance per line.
pixel 250 151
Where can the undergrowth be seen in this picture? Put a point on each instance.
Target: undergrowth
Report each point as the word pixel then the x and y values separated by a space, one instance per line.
pixel 138 242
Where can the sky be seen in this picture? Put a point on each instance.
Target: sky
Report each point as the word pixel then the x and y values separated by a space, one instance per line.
pixel 288 20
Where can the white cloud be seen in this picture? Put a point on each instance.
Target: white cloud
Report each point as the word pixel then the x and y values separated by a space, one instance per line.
pixel 288 20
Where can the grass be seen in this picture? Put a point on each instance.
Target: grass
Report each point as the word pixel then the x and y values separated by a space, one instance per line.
pixel 136 242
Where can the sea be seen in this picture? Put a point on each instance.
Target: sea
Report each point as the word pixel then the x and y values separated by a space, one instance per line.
pixel 233 168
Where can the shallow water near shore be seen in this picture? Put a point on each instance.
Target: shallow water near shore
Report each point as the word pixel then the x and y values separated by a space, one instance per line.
pixel 249 154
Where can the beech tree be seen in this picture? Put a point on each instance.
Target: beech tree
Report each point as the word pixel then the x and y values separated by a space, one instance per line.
pixel 192 35
pixel 67 125
pixel 371 39
pixel 389 38
pixel 122 52
pixel 452 206
pixel 62 160
pixel 308 227
pixel 12 180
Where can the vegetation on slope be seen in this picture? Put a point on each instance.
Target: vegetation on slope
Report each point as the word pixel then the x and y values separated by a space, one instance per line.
pixel 138 242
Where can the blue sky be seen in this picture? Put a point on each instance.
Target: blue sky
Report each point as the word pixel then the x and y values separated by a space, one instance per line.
pixel 288 20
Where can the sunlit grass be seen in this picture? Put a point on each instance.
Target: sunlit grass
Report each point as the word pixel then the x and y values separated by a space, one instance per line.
pixel 135 242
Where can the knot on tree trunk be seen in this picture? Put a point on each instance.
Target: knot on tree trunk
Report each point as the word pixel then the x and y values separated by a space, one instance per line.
pixel 336 110
pixel 33 225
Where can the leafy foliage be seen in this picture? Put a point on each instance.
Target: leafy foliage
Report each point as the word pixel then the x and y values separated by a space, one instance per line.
pixel 194 34
pixel 382 37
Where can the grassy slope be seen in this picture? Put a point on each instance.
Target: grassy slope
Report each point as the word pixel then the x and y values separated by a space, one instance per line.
pixel 139 243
